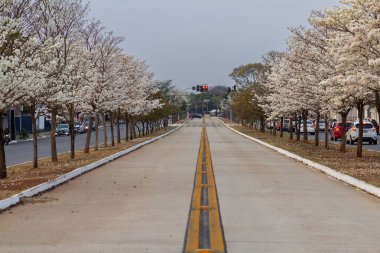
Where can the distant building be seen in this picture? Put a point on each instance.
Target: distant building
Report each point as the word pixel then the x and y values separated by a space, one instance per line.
pixel 369 113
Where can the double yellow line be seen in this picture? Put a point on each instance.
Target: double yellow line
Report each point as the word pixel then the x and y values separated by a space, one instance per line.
pixel 204 232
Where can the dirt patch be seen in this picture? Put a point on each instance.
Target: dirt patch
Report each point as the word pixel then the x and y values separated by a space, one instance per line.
pixel 366 169
pixel 22 177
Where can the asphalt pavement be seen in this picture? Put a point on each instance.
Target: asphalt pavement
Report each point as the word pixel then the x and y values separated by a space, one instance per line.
pixel 23 151
pixel 366 145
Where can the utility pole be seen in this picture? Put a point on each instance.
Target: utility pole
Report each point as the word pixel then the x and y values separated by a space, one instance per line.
pixel 229 90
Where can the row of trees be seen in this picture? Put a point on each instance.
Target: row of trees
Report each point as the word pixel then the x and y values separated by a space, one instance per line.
pixel 329 68
pixel 55 61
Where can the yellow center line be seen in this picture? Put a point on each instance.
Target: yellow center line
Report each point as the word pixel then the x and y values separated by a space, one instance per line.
pixel 212 224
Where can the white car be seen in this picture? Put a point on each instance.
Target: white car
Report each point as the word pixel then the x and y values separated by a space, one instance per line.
pixel 369 133
pixel 310 127
pixel 322 125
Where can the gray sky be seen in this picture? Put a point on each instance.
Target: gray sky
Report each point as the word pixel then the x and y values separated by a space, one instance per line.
pixel 201 41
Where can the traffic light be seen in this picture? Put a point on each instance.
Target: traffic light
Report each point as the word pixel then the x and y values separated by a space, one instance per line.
pixel 204 88
pixel 200 88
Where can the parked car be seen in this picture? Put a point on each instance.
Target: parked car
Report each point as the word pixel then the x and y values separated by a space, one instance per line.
pixel 269 124
pixel 369 133
pixel 376 125
pixel 78 128
pixel 310 127
pixel 285 125
pixel 62 129
pixel 322 125
pixel 336 130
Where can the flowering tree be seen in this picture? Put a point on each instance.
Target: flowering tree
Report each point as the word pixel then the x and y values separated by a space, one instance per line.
pixel 53 61
pixel 350 48
pixel 61 19
pixel 17 63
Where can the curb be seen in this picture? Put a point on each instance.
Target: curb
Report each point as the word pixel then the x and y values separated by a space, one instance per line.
pixel 333 173
pixel 15 199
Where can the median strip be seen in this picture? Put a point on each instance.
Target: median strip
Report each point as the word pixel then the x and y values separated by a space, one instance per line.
pixel 204 232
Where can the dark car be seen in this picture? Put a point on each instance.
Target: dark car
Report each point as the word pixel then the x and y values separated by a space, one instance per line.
pixel 78 128
pixel 195 115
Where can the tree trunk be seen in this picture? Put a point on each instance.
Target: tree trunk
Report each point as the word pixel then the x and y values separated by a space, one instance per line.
pixel 134 131
pixel 126 127
pixel 53 141
pixel 327 127
pixel 35 140
pixel 274 127
pixel 72 131
pixel 151 127
pixel 131 127
pixel 104 130
pixel 138 128
pixel 317 129
pixel 143 128
pixel 377 104
pixel 262 124
pixel 88 136
pixel 118 133
pixel 359 151
pixel 291 129
pixel 304 125
pixel 112 132
pixel 96 132
pixel 298 126
pixel 282 127
pixel 343 140
pixel 3 165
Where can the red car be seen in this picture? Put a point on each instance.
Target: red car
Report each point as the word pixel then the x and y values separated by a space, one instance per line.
pixel 336 130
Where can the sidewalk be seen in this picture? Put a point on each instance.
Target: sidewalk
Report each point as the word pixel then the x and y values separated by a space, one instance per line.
pixel 40 135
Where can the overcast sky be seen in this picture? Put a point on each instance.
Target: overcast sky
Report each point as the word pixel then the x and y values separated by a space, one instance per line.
pixel 201 41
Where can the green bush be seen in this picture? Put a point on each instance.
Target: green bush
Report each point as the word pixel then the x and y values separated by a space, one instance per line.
pixel 23 134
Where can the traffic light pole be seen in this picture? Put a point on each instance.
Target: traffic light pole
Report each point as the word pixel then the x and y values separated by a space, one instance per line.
pixel 203 105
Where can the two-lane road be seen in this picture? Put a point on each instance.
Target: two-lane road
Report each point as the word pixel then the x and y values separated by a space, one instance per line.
pixel 141 203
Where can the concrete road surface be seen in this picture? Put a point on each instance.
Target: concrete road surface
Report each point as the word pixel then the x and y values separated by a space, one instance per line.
pixel 270 203
pixel 140 203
